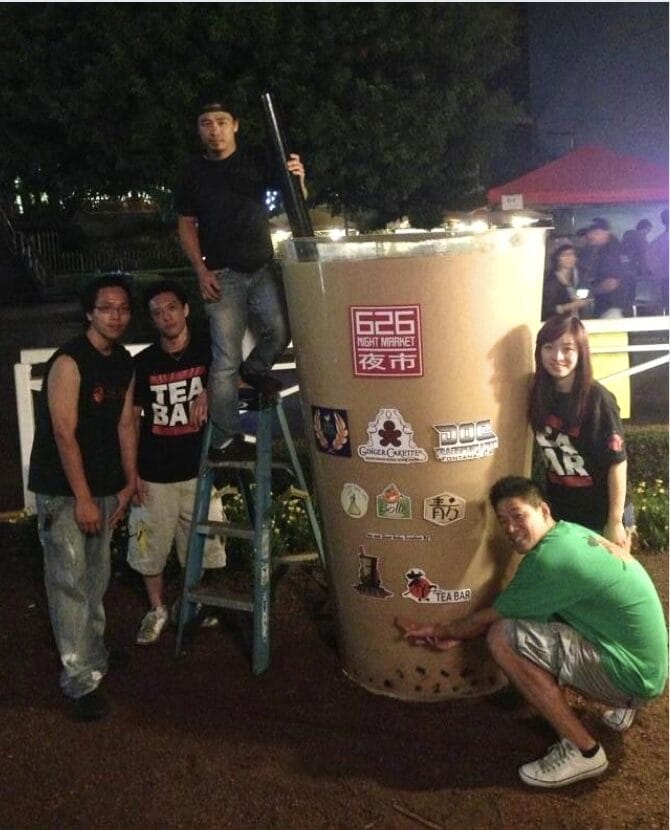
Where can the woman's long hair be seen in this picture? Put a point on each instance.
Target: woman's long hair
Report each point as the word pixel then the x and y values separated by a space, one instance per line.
pixel 542 393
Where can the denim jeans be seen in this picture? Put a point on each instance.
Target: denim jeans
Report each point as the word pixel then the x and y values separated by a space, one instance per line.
pixel 76 575
pixel 256 300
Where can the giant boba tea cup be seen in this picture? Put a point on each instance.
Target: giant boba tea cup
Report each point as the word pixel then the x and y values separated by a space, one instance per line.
pixel 414 356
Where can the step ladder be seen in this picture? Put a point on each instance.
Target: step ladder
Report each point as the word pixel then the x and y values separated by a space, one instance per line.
pixel 259 507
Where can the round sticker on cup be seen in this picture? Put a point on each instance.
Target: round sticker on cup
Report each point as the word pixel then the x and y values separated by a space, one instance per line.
pixel 354 500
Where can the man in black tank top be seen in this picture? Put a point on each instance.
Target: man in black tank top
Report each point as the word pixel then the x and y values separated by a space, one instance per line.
pixel 82 471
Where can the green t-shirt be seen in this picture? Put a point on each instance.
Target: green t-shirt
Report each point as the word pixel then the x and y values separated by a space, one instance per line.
pixel 572 576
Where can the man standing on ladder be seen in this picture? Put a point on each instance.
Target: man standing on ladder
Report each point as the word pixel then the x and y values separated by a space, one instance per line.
pixel 224 230
pixel 171 411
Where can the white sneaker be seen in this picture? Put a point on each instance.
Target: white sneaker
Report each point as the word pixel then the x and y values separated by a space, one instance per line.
pixel 618 719
pixel 152 625
pixel 563 764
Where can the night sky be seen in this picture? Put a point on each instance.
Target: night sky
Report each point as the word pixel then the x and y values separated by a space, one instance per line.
pixel 600 72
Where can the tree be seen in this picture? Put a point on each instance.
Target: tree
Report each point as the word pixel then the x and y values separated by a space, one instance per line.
pixel 395 107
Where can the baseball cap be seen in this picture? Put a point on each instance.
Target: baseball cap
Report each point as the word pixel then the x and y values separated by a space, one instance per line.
pixel 599 224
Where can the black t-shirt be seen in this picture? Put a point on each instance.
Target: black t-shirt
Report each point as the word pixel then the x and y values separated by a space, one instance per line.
pixel 227 196
pixel 578 458
pixel 104 381
pixel 607 263
pixel 170 447
pixel 554 293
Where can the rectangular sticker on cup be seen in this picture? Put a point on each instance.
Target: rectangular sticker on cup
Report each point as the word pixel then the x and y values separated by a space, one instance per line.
pixel 386 341
pixel 465 441
pixel 392 504
pixel 370 577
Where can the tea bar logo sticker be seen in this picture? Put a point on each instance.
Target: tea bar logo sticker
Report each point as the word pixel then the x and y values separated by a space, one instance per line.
pixel 391 440
pixel 386 341
pixel 354 500
pixel 331 430
pixel 421 589
pixel 465 441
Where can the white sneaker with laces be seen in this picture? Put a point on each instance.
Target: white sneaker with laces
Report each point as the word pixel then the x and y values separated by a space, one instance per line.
pixel 563 764
pixel 618 719
pixel 152 625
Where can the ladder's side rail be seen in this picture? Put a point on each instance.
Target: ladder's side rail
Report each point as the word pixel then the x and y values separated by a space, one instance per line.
pixel 262 542
pixel 196 539
pixel 295 462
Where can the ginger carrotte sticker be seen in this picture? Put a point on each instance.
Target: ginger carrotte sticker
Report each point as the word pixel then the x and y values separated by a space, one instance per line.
pixel 354 500
pixel 465 441
pixel 391 440
pixel 369 576
pixel 331 431
pixel 392 504
pixel 421 589
pixel 443 508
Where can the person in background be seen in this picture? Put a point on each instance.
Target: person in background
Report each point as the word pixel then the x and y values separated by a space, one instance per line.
pixel 609 280
pixel 578 430
pixel 561 283
pixel 170 409
pixel 657 261
pixel 224 230
pixel 579 612
pixel 634 246
pixel 82 471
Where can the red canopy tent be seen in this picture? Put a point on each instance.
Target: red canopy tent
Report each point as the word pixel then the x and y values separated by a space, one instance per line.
pixel 588 175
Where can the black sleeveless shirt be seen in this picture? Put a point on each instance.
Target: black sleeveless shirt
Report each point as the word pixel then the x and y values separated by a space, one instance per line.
pixel 104 381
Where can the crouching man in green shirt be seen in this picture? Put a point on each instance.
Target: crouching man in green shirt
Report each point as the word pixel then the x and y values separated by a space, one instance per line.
pixel 579 612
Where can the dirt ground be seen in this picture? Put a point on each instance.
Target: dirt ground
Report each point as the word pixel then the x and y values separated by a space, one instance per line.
pixel 200 741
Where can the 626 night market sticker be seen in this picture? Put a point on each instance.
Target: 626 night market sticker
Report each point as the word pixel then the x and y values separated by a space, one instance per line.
pixel 386 341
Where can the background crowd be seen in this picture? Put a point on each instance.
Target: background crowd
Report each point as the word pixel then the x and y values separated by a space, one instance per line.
pixel 596 275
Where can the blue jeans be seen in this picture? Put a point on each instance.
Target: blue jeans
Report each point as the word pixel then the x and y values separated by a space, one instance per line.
pixel 76 575
pixel 254 299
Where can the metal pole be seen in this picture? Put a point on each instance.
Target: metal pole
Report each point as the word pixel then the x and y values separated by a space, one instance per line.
pixel 294 201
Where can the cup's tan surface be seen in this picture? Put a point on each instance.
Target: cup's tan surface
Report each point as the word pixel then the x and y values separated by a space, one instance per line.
pixel 414 358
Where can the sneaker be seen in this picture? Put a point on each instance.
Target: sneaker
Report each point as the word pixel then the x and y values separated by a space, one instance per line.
pixel 235 449
pixel 262 382
pixel 152 625
pixel 618 719
pixel 90 707
pixel 563 764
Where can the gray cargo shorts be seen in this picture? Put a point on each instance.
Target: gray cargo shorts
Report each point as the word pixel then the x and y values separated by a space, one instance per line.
pixel 572 660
